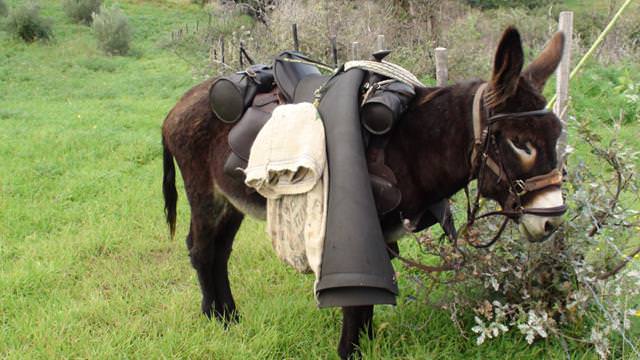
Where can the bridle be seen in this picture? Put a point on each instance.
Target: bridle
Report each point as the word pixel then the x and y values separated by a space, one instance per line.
pixel 481 160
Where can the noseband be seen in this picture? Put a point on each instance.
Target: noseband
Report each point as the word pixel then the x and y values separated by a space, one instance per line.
pixel 518 187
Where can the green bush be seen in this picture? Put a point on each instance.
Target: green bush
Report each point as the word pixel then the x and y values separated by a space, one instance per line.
pixel 3 8
pixel 81 11
pixel 26 23
pixel 112 30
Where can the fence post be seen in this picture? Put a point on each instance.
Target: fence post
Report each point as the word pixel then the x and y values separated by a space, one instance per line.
pixel 560 107
pixel 334 51
pixel 240 55
pixel 222 49
pixel 354 51
pixel 380 42
pixel 294 30
pixel 442 72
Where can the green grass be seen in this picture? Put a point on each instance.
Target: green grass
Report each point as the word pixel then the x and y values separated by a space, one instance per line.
pixel 86 266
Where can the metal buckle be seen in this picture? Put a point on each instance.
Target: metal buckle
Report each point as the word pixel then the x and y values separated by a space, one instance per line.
pixel 519 187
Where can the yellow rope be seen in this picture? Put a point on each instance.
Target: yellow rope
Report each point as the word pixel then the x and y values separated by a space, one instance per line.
pixel 599 40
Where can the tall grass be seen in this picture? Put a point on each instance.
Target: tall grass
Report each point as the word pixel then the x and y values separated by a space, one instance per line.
pixel 412 29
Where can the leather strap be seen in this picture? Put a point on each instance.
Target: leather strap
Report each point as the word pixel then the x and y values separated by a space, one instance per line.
pixel 540 112
pixel 478 134
pixel 554 177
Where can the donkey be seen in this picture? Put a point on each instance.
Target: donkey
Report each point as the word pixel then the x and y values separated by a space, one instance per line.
pixel 434 152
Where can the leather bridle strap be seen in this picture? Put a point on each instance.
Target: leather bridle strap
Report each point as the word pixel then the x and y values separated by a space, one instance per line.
pixel 554 177
pixel 497 117
pixel 478 134
pixel 519 187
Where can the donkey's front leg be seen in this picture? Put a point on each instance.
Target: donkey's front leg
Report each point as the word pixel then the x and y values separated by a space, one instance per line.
pixel 355 320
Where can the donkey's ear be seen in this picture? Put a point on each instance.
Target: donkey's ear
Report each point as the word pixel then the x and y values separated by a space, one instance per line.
pixel 545 64
pixel 507 65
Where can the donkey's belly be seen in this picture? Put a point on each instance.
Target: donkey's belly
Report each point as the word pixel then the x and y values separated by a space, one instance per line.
pixel 252 204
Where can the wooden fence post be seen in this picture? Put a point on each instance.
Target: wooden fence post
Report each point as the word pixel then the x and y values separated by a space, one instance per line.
pixel 240 55
pixel 380 42
pixel 222 49
pixel 354 51
pixel 561 105
pixel 442 72
pixel 334 51
pixel 294 30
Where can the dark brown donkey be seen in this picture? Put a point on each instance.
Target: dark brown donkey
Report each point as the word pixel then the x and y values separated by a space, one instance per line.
pixel 430 152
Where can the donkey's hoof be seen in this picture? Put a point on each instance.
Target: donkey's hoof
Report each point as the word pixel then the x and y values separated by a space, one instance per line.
pixel 348 352
pixel 207 308
pixel 228 317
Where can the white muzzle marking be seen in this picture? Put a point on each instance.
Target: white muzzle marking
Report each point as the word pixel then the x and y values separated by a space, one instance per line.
pixel 538 228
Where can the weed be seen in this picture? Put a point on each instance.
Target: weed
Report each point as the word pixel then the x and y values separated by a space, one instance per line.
pixel 81 11
pixel 112 30
pixel 26 23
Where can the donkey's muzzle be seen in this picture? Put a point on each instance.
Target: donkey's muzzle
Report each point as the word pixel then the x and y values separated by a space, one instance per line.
pixel 538 226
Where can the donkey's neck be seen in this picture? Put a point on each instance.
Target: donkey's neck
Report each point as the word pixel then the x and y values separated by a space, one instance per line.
pixel 430 149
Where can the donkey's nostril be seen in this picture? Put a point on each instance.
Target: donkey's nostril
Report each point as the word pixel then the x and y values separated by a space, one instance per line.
pixel 549 227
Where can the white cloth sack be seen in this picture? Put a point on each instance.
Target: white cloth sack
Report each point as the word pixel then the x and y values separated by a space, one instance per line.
pixel 289 154
pixel 287 165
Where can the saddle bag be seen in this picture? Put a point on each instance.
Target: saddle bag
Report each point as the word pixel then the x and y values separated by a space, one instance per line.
pixel 385 105
pixel 289 68
pixel 229 96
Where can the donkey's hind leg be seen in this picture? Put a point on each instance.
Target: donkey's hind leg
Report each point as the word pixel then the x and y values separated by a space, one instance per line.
pixel 355 321
pixel 214 223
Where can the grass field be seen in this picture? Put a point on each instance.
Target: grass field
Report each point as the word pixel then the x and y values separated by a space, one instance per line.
pixel 87 269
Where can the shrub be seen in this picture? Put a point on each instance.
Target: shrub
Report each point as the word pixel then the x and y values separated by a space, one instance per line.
pixel 491 4
pixel 3 9
pixel 81 11
pixel 26 23
pixel 112 30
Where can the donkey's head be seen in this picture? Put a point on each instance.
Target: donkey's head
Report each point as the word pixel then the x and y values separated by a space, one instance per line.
pixel 516 158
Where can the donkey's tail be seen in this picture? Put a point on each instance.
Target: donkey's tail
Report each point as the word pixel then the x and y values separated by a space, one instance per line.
pixel 169 188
